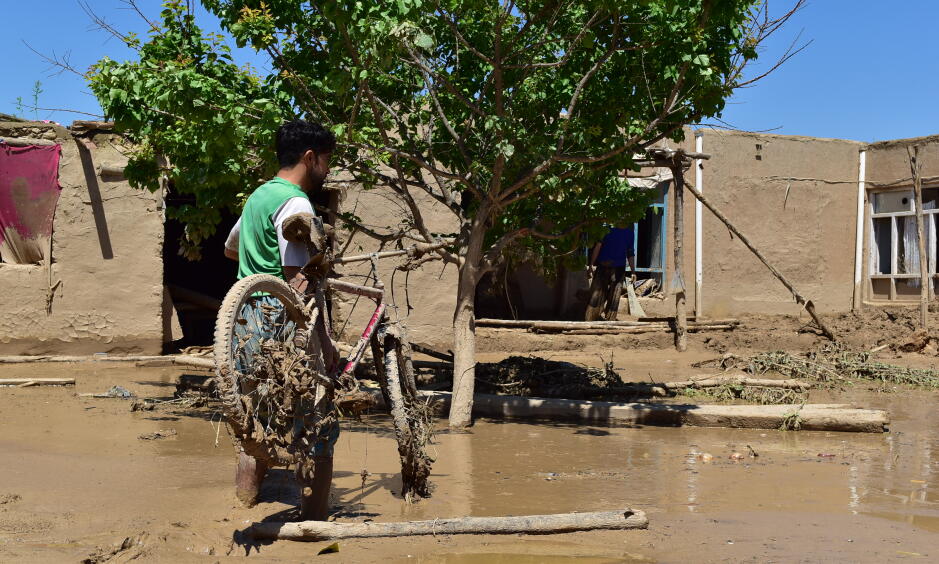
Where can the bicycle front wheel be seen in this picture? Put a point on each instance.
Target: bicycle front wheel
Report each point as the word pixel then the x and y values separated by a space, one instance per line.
pixel 260 364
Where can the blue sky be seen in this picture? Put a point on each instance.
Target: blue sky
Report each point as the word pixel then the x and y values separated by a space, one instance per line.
pixel 867 75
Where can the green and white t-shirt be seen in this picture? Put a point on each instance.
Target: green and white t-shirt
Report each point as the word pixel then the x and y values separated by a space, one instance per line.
pixel 258 235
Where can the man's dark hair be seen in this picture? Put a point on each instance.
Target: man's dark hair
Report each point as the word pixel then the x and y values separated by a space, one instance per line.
pixel 299 136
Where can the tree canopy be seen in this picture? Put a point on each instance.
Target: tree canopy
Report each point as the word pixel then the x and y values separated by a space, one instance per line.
pixel 480 104
pixel 520 117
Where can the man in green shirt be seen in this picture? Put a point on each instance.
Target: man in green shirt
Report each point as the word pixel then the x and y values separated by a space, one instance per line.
pixel 257 243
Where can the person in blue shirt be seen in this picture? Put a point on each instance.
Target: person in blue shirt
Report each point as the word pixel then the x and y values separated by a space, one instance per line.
pixel 608 262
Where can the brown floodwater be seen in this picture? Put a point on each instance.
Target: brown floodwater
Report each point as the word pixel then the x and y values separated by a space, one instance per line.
pixel 75 478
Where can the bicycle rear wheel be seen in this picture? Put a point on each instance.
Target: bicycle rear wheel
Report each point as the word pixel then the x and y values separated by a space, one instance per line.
pixel 260 365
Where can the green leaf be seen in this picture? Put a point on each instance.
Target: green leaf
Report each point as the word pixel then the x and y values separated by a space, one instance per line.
pixel 424 41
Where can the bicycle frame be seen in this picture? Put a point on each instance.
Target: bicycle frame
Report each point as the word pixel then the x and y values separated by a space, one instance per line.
pixel 376 293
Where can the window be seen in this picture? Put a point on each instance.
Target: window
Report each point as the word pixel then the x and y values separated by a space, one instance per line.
pixel 649 242
pixel 894 251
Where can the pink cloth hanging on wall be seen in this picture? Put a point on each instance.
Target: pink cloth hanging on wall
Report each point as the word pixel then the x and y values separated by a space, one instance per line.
pixel 29 192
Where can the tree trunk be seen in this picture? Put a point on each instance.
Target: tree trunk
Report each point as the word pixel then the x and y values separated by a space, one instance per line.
pixel 925 281
pixel 464 333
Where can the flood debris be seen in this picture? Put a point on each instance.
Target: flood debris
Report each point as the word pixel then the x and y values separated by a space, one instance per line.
pixel 161 434
pixel 832 364
pixel 754 390
pixel 538 377
pixel 130 548
pixel 529 524
pixel 142 406
pixel 919 342
pixel 118 392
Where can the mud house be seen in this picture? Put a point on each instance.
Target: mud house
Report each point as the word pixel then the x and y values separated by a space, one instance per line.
pixel 81 268
pixel 834 215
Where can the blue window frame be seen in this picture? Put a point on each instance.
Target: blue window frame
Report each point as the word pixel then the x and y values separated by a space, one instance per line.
pixel 649 243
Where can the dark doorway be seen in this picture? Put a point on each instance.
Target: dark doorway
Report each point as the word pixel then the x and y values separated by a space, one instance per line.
pixel 197 287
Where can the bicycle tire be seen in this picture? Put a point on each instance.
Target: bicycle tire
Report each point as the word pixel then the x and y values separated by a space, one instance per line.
pixel 411 429
pixel 228 378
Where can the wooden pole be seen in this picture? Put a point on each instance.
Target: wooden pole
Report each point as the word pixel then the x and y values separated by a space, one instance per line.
pixel 916 167
pixel 678 284
pixel 37 381
pixel 807 304
pixel 528 524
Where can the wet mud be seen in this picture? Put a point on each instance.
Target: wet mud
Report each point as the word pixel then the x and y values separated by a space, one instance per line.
pixel 77 481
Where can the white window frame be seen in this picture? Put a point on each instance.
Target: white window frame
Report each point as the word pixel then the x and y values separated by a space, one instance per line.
pixel 894 245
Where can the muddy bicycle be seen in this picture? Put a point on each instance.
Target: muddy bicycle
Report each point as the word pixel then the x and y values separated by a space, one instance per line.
pixel 281 382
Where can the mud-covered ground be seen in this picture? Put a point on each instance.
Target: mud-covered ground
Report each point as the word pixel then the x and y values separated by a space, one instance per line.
pixel 78 482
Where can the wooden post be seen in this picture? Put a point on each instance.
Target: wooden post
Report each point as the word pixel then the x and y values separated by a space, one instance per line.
pixel 678 281
pixel 916 167
pixel 800 299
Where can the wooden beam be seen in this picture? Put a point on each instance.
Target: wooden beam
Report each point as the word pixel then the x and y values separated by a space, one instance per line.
pixel 37 381
pixel 26 141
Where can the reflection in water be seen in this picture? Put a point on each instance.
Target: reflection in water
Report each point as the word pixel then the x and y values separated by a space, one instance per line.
pixel 513 468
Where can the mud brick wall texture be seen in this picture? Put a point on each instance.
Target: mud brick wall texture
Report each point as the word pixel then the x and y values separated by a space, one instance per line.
pixel 106 249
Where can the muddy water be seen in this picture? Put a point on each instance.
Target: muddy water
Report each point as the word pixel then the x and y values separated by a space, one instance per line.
pixel 75 478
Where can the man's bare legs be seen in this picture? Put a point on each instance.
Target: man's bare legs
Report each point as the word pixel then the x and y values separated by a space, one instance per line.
pixel 315 480
pixel 248 477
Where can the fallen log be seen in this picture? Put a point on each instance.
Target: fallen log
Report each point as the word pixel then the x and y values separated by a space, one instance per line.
pixel 667 389
pixel 85 358
pixel 200 361
pixel 631 330
pixel 155 363
pixel 141 360
pixel 527 323
pixel 528 524
pixel 713 382
pixel 25 382
pixel 811 417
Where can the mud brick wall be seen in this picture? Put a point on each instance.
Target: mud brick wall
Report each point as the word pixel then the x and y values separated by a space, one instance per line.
pixel 795 198
pixel 430 290
pixel 106 248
